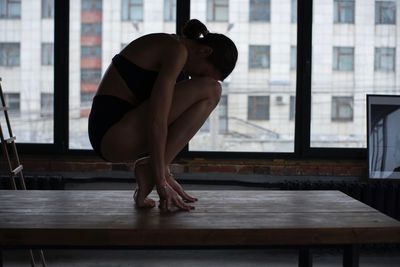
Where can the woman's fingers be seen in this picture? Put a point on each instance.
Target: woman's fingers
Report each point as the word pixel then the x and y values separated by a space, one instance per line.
pixel 178 188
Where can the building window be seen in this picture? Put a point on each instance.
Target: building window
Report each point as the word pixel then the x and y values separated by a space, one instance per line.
pixel 90 75
pixel 10 9
pixel 132 10
pixel 260 10
pixel 294 12
pixel 293 57
pixel 91 51
pixel 47 54
pixel 223 114
pixel 259 56
pixel 385 12
pixel 13 102
pixel 342 108
pixel 258 108
pixel 343 58
pixel 47 9
pixel 86 98
pixel 292 108
pixel 385 59
pixel 169 10
pixel 217 10
pixel 343 11
pixel 91 29
pixel 46 105
pixel 9 54
pixel 91 5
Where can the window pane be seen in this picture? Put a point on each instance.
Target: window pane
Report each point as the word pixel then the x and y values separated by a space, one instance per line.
pixel 24 42
pixel 255 112
pixel 217 10
pixel 170 10
pixel 47 8
pixel 350 61
pixel 260 10
pixel 98 31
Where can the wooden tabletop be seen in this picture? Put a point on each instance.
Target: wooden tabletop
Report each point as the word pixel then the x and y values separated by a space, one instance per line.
pixel 221 218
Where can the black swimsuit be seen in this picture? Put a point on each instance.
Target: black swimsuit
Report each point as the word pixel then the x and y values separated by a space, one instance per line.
pixel 108 110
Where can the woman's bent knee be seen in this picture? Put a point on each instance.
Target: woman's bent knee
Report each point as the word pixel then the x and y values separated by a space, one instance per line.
pixel 210 88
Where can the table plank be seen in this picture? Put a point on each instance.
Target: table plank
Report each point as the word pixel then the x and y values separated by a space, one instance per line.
pixel 228 218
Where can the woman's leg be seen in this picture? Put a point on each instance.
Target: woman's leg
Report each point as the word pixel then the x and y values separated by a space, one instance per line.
pixel 192 103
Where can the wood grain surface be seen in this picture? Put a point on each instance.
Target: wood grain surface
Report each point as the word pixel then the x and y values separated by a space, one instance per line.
pixel 221 218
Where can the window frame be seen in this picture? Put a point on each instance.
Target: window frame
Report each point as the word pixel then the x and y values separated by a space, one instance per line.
pixel 130 5
pixel 339 7
pixel 254 16
pixel 213 17
pixel 381 52
pixel 302 148
pixel 379 12
pixel 47 9
pixel 7 4
pixel 8 50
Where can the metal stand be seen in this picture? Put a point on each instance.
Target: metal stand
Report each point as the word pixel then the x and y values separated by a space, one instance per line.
pixel 14 172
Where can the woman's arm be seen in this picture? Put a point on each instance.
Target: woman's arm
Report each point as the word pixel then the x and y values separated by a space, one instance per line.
pixel 173 59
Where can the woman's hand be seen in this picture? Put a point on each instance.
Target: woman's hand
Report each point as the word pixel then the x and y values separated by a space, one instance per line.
pixel 169 198
pixel 178 189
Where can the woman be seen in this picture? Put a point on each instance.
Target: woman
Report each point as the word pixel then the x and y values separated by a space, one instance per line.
pixel 145 105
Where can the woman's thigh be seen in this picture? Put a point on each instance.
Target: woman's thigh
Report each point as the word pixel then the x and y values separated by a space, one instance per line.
pixel 128 138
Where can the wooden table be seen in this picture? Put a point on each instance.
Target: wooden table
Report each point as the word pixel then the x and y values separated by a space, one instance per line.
pixel 108 219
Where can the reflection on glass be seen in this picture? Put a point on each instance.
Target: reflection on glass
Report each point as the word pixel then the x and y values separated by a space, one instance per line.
pixel 384 137
pixel 256 112
pixel 27 67
pixel 355 52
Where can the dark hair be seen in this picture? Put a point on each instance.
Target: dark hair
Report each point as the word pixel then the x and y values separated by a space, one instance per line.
pixel 224 55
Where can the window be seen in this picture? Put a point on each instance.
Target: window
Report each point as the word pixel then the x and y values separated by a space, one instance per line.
pixel 13 102
pixel 217 10
pixel 258 108
pixel 343 58
pixel 132 10
pixel 342 108
pixel 292 108
pixel 223 114
pixel 260 10
pixel 169 10
pixel 90 5
pixel 293 58
pixel 10 9
pixel 343 11
pixel 385 59
pixel 47 54
pixel 259 57
pixel 91 29
pixel 9 54
pixel 47 9
pixel 46 105
pixel 91 51
pixel 385 12
pixel 293 13
pixel 90 75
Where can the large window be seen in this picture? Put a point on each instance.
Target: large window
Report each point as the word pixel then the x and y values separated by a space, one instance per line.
pixel 347 64
pixel 170 10
pixel 10 9
pixel 132 10
pixel 260 10
pixel 385 12
pixel 47 54
pixel 344 11
pixel 217 10
pixel 255 113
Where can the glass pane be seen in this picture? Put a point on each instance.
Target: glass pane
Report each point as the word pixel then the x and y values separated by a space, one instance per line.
pixel 256 112
pixel 350 61
pixel 92 48
pixel 26 74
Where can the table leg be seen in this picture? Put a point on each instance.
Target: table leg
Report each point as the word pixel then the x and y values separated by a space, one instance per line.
pixel 305 257
pixel 351 256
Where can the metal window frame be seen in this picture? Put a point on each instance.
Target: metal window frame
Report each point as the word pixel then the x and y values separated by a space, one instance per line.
pixel 302 148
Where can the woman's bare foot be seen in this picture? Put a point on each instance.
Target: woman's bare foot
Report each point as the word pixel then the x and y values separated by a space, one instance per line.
pixel 144 184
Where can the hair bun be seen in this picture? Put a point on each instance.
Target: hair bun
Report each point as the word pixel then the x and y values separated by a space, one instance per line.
pixel 194 28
